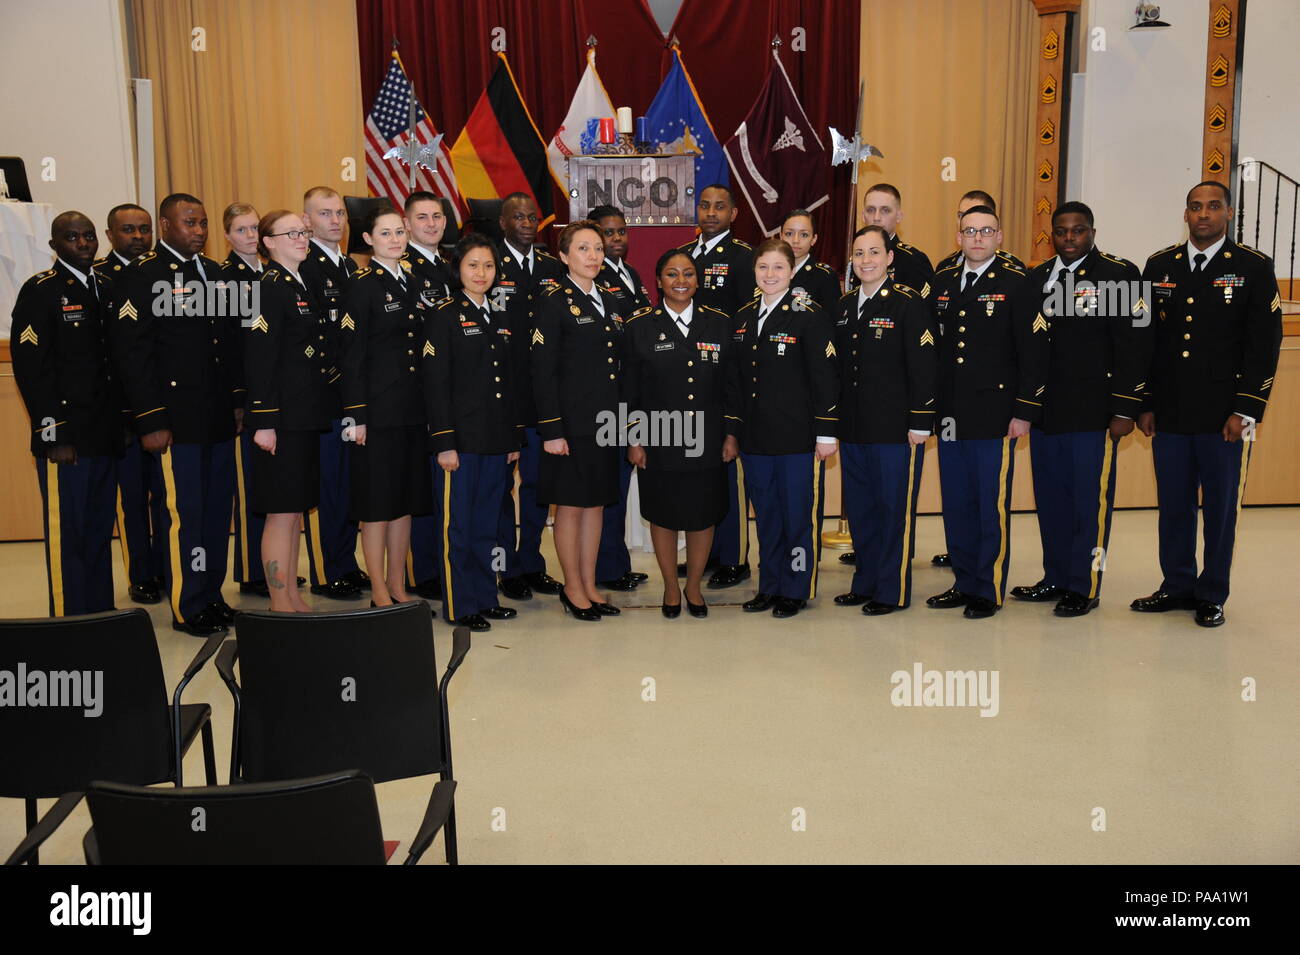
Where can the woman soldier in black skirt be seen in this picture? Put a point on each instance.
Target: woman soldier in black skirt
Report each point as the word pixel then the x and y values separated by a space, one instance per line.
pixel 674 376
pixel 381 334
pixel 473 429
pixel 285 369
pixel 576 350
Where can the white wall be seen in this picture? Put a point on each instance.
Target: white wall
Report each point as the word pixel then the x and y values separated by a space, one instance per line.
pixel 63 95
pixel 1270 118
pixel 1142 101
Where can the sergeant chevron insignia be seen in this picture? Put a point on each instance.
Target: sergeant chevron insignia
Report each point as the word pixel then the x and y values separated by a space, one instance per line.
pixel 925 292
pixel 259 324
pixel 127 311
pixel 1040 324
pixel 28 336
pixel 538 337
pixel 927 338
pixel 1276 304
pixel 830 350
pixel 428 350
pixel 347 322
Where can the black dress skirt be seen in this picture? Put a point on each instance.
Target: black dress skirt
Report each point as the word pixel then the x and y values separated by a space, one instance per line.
pixel 288 481
pixel 390 474
pixel 683 500
pixel 586 477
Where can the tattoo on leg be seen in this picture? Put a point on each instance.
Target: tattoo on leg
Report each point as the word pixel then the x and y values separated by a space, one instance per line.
pixel 273 578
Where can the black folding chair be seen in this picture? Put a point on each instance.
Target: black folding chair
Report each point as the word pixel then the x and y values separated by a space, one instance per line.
pixel 322 692
pixel 54 743
pixel 325 820
pixel 485 218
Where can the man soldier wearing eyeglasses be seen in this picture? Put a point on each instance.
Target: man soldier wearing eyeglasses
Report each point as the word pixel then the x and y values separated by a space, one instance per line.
pixel 331 537
pixel 993 352
pixel 1218 333
pixel 1099 329
pixel 176 352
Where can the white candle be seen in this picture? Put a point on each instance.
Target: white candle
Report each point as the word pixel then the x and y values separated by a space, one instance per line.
pixel 625 119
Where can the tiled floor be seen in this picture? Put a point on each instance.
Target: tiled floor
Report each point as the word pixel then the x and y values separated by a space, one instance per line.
pixel 776 741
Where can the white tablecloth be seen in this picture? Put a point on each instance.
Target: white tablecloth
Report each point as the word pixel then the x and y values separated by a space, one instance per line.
pixel 24 251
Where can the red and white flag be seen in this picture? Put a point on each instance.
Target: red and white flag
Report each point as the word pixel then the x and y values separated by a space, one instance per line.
pixel 387 129
pixel 776 157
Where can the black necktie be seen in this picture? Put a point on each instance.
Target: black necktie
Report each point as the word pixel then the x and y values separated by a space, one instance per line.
pixel 969 281
pixel 90 284
pixel 862 309
pixel 487 316
pixel 1060 275
pixel 1199 259
pixel 599 305
pixel 190 271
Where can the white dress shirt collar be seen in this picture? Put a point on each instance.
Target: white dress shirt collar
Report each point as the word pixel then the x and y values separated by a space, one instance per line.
pixel 1210 253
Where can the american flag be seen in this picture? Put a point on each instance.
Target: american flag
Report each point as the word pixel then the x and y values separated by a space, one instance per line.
pixel 386 127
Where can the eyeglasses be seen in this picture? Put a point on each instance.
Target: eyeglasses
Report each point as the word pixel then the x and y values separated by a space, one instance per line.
pixel 970 231
pixel 293 234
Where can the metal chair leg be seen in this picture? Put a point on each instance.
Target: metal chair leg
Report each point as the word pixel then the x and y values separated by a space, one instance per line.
pixel 209 754
pixel 31 824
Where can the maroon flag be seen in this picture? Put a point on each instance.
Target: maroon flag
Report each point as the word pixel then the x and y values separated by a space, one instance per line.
pixel 776 157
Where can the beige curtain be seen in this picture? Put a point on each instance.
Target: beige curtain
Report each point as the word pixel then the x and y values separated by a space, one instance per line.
pixel 951 82
pixel 270 107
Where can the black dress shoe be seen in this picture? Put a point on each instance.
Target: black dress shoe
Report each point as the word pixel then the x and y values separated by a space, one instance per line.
pixel 979 607
pixel 697 610
pixel 941 560
pixel 516 588
pixel 848 557
pixel 579 613
pixel 543 583
pixel 428 589
pixel 225 613
pixel 1074 605
pixel 257 588
pixel 606 610
pixel 358 579
pixel 301 581
pixel 1210 614
pixel 948 599
pixel 787 606
pixel 671 611
pixel 204 625
pixel 728 576
pixel 338 590
pixel 500 613
pixel 1039 592
pixel 1161 602
pixel 851 599
pixel 624 583
pixel 760 603
pixel 149 592
pixel 473 621
pixel 638 578
pixel 874 608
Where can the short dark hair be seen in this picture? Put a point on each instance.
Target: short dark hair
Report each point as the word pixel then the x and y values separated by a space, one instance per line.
pixel 516 196
pixel 472 240
pixel 1227 193
pixel 63 219
pixel 983 197
pixel 667 257
pixel 888 188
pixel 420 195
pixel 601 212
pixel 573 228
pixel 873 228
pixel 377 210
pixel 1065 208
pixel 797 212
pixel 982 210
pixel 124 207
pixel 731 196
pixel 171 202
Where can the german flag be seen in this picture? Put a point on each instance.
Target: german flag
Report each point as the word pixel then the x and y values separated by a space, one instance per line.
pixel 501 151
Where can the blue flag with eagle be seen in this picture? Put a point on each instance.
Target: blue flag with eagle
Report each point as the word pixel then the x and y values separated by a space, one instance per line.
pixel 677 123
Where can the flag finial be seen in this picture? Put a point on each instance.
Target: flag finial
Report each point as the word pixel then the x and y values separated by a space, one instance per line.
pixel 776 40
pixel 395 43
pixel 591 41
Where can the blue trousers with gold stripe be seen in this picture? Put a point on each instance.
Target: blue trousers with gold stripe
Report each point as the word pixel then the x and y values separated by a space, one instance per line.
pixel 613 560
pixel 523 552
pixel 881 483
pixel 199 487
pixel 331 537
pixel 786 491
pixel 1186 463
pixel 468 511
pixel 975 479
pixel 139 511
pixel 731 537
pixel 248 526
pixel 1074 490
pixel 78 521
